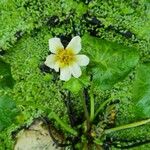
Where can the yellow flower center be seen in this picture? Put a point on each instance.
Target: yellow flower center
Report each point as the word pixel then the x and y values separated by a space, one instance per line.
pixel 65 57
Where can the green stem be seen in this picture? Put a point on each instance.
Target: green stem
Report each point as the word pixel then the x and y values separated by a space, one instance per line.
pixel 101 107
pixel 127 126
pixel 92 107
pixel 85 111
pixel 85 147
pixel 63 124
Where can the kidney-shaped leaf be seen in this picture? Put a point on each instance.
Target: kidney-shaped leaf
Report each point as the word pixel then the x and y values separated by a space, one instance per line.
pixel 8 111
pixel 141 90
pixel 110 62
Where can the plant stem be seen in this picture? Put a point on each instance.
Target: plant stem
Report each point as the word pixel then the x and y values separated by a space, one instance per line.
pixel 127 126
pixel 92 107
pixel 63 124
pixel 69 109
pixel 85 147
pixel 102 106
pixel 85 110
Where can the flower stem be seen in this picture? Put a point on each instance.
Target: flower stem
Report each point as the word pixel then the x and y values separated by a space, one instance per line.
pixel 101 107
pixel 127 126
pixel 85 147
pixel 92 107
pixel 63 124
pixel 85 110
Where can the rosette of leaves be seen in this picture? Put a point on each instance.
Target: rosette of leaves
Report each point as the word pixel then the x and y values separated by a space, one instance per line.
pixel 111 63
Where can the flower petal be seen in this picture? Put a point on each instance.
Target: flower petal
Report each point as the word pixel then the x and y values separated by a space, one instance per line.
pixel 55 44
pixel 50 61
pixel 75 70
pixel 82 60
pixel 65 74
pixel 75 44
pixel 56 67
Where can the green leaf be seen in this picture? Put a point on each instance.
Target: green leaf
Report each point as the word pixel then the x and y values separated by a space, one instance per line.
pixel 75 85
pixel 85 80
pixel 109 62
pixel 6 79
pixel 8 112
pixel 141 90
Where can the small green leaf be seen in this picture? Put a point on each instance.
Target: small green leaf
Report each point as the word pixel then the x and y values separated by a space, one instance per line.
pixel 75 85
pixel 109 62
pixel 141 90
pixel 85 80
pixel 8 112
pixel 6 79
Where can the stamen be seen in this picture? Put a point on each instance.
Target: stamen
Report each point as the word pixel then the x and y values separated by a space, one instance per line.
pixel 65 57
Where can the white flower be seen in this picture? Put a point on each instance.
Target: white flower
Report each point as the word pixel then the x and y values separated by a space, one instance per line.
pixel 66 59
